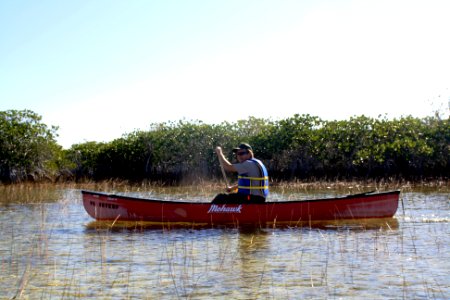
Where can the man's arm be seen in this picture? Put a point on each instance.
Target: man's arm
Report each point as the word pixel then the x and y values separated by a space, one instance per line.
pixel 223 161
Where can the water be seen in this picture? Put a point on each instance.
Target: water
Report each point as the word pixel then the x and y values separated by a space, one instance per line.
pixel 50 248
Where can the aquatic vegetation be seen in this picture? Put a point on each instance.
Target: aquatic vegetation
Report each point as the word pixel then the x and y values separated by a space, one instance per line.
pixel 50 248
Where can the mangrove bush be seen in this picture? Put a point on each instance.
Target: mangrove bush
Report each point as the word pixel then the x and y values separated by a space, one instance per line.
pixel 300 147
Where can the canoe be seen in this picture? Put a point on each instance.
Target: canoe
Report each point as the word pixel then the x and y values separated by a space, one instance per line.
pixel 113 207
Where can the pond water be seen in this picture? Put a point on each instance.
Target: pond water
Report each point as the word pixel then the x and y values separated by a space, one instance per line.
pixel 51 248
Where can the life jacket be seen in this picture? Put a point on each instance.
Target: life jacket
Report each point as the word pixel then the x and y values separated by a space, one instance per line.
pixel 245 185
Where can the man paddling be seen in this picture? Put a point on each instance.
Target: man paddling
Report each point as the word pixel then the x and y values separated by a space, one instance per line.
pixel 253 179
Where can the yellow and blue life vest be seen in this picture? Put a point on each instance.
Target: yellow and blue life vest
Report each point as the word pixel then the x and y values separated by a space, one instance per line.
pixel 246 184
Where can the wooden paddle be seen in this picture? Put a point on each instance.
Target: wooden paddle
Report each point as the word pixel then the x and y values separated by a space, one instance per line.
pixel 218 151
pixel 223 173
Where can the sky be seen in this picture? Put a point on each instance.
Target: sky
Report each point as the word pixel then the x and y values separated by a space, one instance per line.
pixel 100 69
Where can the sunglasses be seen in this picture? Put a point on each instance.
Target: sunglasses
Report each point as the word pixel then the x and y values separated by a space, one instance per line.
pixel 242 153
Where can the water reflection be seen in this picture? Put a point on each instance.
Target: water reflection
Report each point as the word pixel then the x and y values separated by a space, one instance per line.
pixel 52 249
pixel 349 224
pixel 252 261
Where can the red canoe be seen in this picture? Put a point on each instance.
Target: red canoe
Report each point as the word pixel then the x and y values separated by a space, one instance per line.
pixel 103 206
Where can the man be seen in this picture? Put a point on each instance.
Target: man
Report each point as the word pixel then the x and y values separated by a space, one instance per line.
pixel 253 179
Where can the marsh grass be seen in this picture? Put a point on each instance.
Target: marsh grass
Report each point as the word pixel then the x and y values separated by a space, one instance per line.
pixel 361 186
pixel 49 253
pixel 44 192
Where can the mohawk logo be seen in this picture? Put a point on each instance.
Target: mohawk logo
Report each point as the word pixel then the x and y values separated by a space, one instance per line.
pixel 224 209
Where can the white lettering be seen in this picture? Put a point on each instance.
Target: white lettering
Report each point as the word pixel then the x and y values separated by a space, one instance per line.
pixel 224 209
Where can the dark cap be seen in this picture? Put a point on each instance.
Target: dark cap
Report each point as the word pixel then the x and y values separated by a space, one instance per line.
pixel 243 146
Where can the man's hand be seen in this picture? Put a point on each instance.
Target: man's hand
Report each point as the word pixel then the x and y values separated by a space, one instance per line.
pixel 218 150
pixel 231 189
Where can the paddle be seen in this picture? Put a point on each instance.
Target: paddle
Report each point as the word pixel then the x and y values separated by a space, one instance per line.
pixel 219 154
pixel 223 173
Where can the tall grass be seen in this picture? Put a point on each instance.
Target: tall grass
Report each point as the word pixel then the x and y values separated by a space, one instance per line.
pixel 47 252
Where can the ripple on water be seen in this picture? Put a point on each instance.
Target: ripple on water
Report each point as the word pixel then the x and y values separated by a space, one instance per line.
pixel 49 250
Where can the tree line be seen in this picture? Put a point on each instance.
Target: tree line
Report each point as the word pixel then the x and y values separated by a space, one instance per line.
pixel 301 147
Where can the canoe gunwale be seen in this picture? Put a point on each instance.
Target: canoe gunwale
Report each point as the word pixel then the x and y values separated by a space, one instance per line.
pixel 346 197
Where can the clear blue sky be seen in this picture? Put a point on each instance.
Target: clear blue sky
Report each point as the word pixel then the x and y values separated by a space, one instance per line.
pixel 99 69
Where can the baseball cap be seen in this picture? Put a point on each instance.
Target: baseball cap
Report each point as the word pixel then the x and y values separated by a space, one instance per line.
pixel 243 146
